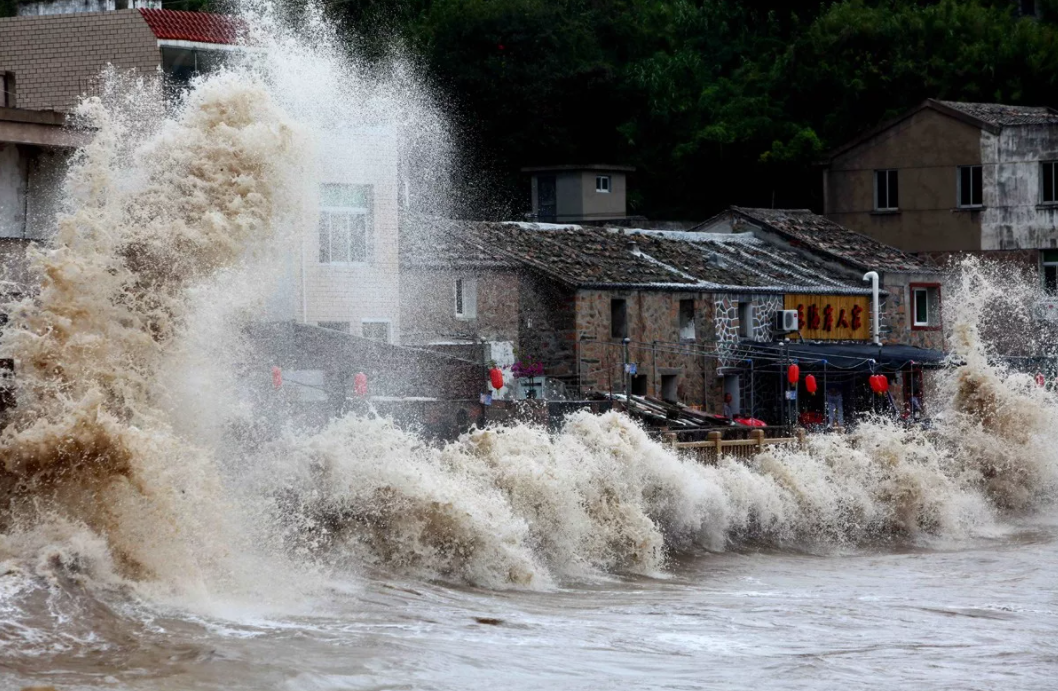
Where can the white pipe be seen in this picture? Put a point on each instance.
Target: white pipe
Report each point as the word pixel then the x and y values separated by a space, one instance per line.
pixel 872 276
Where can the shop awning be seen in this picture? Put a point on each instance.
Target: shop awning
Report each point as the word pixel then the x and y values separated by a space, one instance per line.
pixel 849 357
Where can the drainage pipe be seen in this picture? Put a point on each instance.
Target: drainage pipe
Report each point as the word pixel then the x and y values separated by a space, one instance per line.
pixel 872 276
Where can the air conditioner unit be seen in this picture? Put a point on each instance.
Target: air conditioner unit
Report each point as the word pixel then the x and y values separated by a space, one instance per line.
pixel 786 321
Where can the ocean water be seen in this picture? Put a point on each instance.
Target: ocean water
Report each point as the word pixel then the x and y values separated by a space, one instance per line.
pixel 159 528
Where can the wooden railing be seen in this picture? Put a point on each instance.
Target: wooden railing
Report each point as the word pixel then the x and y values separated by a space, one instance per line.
pixel 715 446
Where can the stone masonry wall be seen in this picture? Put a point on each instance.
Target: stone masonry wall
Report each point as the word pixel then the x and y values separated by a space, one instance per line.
pixel 655 347
pixel 427 300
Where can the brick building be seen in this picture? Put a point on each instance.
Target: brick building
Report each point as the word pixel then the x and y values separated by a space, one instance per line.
pixel 686 308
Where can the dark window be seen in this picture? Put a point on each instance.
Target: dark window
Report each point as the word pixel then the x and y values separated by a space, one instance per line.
pixel 970 182
pixel 602 183
pixel 1050 272
pixel 686 320
pixel 619 318
pixel 546 196
pixel 1048 181
pixel 639 385
pixel 669 390
pixel 745 319
pixel 7 89
pixel 376 330
pixel 345 223
pixel 925 306
pixel 335 326
pixel 886 190
pixel 181 64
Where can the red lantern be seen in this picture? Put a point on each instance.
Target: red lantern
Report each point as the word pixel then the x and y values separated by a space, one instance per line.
pixel 1040 381
pixel 810 384
pixel 360 384
pixel 277 378
pixel 873 382
pixel 496 378
pixel 883 383
pixel 793 373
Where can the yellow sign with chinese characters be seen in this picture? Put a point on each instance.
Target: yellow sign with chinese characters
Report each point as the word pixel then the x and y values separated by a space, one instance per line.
pixel 832 317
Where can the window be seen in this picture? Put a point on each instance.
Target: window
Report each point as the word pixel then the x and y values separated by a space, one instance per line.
pixel 925 306
pixel 7 89
pixel 745 319
pixel 1049 182
pixel 345 223
pixel 970 182
pixel 639 385
pixel 181 64
pixel 335 326
pixel 686 320
pixel 886 190
pixel 602 183
pixel 375 329
pixel 466 298
pixel 1050 272
pixel 669 387
pixel 619 318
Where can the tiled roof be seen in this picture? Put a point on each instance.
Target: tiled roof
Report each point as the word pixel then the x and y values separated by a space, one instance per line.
pixel 1005 116
pixel 820 234
pixel 623 257
pixel 200 27
pixel 428 242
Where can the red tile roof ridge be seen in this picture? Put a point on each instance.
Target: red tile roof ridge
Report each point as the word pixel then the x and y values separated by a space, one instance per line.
pixel 198 27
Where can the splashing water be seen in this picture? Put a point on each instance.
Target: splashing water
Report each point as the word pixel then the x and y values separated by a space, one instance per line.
pixel 108 479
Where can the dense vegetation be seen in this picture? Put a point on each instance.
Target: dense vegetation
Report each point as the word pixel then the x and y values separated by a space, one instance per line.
pixel 716 102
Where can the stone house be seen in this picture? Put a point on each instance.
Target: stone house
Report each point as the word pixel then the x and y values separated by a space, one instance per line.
pixel 912 287
pixel 950 177
pixel 683 307
pixel 342 275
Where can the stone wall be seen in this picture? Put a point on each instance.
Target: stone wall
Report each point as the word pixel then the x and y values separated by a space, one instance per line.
pixel 896 318
pixel 655 345
pixel 547 329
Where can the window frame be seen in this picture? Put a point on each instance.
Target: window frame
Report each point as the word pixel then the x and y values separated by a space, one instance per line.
pixel 364 213
pixel 959 187
pixel 687 331
pixel 603 184
pixel 1053 201
pixel 891 174
pixel 465 297
pixel 1046 263
pixel 933 307
pixel 614 331
pixel 389 329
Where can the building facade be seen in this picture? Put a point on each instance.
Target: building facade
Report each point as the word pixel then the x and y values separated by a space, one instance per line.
pixel 579 194
pixel 950 177
pixel 342 274
pixel 673 315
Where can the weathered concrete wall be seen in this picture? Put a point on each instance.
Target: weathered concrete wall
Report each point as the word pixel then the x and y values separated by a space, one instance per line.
pixel 59 57
pixel 1014 217
pixel 13 184
pixel 927 149
pixel 427 301
pixel 599 206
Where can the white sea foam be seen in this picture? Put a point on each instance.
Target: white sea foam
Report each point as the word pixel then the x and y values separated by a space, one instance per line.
pixel 117 466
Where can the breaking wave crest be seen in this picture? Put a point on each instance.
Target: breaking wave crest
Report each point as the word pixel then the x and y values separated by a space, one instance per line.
pixel 101 479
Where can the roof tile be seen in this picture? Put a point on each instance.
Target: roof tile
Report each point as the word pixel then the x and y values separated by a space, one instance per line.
pixel 200 27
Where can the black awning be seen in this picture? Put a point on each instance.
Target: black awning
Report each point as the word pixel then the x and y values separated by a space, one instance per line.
pixel 849 357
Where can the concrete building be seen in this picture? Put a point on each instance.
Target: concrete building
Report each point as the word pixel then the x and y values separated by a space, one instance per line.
pixel 579 194
pixel 953 177
pixel 344 274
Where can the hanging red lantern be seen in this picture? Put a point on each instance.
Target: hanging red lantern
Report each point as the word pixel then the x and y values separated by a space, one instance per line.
pixel 360 384
pixel 883 382
pixel 793 373
pixel 496 378
pixel 1040 381
pixel 810 384
pixel 873 382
